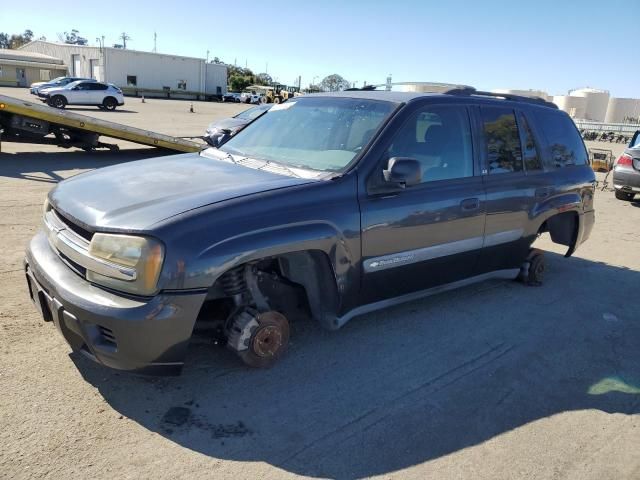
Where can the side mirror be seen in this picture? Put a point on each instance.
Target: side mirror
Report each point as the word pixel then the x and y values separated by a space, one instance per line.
pixel 403 172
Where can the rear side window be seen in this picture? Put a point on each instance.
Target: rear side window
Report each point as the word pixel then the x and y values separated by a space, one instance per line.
pixel 504 154
pixel 565 143
pixel 98 86
pixel 530 152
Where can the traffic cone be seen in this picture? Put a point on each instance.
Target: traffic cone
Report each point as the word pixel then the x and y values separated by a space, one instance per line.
pixel 143 99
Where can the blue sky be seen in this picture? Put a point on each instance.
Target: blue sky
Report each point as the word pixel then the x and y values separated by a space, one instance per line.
pixel 548 45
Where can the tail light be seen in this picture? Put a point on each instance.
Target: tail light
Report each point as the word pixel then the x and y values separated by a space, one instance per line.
pixel 625 159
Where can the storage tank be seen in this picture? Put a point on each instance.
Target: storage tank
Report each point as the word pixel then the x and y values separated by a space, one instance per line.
pixel 574 106
pixel 620 109
pixel 523 93
pixel 597 102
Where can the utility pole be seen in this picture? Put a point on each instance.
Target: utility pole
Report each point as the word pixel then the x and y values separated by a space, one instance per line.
pixel 207 56
pixel 155 39
pixel 266 67
pixel 124 38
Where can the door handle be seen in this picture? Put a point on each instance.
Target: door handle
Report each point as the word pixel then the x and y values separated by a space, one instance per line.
pixel 543 192
pixel 470 204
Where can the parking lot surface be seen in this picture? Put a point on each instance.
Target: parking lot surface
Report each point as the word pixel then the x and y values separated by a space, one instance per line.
pixel 493 381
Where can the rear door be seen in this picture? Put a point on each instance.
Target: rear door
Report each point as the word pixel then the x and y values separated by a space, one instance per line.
pixel 98 91
pixel 513 185
pixel 428 234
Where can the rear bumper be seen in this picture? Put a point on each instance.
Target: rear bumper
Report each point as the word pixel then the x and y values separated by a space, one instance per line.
pixel 145 336
pixel 626 179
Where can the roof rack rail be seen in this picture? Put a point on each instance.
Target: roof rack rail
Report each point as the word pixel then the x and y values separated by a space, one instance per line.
pixel 506 96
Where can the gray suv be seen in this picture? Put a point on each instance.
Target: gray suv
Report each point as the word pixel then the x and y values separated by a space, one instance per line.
pixel 327 207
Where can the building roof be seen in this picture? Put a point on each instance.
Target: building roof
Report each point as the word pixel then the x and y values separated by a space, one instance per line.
pixel 25 56
pixel 126 50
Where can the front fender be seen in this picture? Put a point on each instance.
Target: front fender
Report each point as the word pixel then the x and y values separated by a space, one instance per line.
pixel 216 259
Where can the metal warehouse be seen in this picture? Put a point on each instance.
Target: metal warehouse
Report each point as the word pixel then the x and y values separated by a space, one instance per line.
pixel 21 68
pixel 136 72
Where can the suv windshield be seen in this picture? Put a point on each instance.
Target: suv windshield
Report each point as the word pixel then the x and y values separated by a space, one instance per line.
pixel 321 133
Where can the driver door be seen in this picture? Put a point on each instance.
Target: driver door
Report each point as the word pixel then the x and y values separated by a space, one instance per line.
pixel 428 234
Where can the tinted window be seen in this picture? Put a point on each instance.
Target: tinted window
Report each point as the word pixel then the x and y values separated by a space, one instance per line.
pixel 531 157
pixel 636 141
pixel 440 139
pixel 98 86
pixel 504 154
pixel 564 140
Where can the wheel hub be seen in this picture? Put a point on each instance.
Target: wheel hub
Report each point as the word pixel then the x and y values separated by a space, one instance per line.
pixel 267 341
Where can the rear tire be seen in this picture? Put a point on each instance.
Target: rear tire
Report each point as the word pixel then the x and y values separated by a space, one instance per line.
pixel 110 103
pixel 624 196
pixel 532 271
pixel 58 102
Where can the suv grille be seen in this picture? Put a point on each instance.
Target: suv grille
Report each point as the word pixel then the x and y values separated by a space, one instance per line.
pixel 86 234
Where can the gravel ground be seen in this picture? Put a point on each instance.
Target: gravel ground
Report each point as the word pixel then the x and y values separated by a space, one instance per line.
pixel 494 381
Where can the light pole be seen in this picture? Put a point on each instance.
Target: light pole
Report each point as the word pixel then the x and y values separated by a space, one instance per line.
pixel 104 59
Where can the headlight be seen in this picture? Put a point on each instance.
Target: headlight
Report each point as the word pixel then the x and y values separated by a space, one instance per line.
pixel 144 255
pixel 45 206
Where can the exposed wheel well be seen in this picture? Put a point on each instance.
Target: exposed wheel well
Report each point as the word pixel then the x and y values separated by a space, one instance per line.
pixel 293 283
pixel 563 229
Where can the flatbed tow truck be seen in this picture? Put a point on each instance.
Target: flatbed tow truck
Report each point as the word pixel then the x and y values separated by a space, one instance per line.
pixel 26 122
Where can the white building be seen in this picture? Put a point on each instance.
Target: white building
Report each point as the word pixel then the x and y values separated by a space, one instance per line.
pixel 621 110
pixel 596 103
pixel 146 73
pixel 574 106
pixel 21 69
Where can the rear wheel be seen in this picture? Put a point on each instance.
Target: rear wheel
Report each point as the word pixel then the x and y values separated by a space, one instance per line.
pixel 624 196
pixel 58 102
pixel 532 271
pixel 110 103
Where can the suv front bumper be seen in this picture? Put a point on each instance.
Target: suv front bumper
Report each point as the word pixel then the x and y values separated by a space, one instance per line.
pixel 145 336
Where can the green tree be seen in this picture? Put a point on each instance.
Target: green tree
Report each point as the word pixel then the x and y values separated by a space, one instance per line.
pixel 334 83
pixel 73 38
pixel 264 79
pixel 16 40
pixel 239 82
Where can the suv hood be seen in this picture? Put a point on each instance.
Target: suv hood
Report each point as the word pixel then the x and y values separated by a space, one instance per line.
pixel 134 196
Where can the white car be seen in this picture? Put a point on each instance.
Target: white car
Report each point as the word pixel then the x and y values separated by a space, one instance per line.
pixel 249 97
pixel 105 96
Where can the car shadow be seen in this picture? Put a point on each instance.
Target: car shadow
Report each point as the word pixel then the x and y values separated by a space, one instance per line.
pixel 45 166
pixel 405 385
